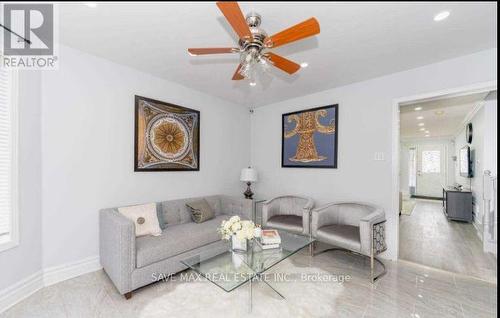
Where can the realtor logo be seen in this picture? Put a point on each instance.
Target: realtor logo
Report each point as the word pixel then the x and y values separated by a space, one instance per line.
pixel 28 36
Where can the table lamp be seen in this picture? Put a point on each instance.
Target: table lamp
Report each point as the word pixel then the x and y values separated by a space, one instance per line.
pixel 248 175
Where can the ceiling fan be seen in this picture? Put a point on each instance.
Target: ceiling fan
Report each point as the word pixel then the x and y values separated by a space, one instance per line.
pixel 254 43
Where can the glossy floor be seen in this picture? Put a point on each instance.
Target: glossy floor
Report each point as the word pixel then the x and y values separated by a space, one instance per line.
pixel 313 287
pixel 427 237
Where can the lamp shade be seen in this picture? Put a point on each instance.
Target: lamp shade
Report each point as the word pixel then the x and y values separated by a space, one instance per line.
pixel 248 175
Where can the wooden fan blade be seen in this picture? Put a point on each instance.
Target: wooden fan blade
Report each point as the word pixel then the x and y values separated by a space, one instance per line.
pixel 297 32
pixel 212 50
pixel 234 16
pixel 237 76
pixel 283 63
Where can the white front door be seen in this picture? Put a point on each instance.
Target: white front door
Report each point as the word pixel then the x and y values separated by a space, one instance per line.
pixel 431 170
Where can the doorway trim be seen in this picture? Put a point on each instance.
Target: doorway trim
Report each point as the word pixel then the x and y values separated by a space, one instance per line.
pixel 396 103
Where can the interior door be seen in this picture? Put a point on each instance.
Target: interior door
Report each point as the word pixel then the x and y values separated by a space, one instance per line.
pixel 431 170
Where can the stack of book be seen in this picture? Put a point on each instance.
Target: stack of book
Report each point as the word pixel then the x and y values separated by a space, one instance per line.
pixel 270 239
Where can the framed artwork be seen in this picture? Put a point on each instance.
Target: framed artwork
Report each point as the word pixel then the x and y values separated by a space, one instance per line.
pixel 167 136
pixel 310 138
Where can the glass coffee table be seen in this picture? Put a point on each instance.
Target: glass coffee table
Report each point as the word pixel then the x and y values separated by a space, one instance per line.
pixel 230 270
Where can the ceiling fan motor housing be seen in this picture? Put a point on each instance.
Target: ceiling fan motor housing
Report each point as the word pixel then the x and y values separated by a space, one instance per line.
pixel 253 20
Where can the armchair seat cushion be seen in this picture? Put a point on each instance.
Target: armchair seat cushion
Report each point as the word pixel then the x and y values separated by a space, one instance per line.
pixel 290 223
pixel 177 239
pixel 344 236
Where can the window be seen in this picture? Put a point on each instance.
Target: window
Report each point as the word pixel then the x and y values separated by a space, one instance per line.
pixel 8 164
pixel 431 161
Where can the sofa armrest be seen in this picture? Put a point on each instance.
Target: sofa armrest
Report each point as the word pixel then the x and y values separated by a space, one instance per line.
pixel 237 206
pixel 117 248
pixel 366 229
pixel 322 216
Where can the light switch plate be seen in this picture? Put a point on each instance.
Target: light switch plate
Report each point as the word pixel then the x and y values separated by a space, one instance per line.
pixel 379 156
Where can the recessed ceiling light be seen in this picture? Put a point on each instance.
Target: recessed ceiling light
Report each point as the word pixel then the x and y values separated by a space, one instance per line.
pixel 91 4
pixel 420 117
pixel 422 129
pixel 421 124
pixel 253 84
pixel 418 108
pixel 439 112
pixel 304 64
pixel 427 136
pixel 427 132
pixel 441 15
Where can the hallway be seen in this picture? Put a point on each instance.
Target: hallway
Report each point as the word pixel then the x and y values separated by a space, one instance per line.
pixel 427 237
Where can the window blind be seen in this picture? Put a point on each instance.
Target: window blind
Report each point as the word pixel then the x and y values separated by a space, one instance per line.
pixel 5 155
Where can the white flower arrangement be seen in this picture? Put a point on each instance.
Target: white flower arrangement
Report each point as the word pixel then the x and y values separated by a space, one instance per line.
pixel 243 229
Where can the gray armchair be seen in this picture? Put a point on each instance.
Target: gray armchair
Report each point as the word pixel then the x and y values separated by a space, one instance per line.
pixel 289 213
pixel 351 226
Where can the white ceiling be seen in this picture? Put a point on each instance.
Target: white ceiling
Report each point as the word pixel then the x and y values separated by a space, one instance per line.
pixel 358 41
pixel 441 117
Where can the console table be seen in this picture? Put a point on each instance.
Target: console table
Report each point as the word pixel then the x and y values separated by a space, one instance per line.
pixel 457 204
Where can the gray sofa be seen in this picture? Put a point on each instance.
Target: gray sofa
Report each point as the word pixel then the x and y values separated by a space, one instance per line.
pixel 132 262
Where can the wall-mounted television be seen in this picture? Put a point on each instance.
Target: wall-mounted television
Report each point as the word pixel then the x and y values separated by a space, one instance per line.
pixel 465 162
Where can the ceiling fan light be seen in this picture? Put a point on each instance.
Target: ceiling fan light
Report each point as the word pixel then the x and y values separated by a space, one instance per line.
pixel 245 70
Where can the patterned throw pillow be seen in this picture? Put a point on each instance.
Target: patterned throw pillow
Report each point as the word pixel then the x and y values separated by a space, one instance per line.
pixel 200 211
pixel 144 217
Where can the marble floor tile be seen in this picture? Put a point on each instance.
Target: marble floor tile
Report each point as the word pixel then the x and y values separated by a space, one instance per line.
pixel 407 290
pixel 427 237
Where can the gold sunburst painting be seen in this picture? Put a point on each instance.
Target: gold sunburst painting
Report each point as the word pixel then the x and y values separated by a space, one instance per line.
pixel 167 136
pixel 309 138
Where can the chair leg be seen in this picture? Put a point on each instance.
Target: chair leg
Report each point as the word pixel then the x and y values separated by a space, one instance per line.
pixel 373 277
pixel 128 295
pixel 371 268
pixel 311 249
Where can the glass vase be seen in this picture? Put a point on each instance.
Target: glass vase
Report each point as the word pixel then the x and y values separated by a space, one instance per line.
pixel 239 246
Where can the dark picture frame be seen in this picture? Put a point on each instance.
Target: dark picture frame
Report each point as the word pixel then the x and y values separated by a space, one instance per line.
pixel 184 123
pixel 327 155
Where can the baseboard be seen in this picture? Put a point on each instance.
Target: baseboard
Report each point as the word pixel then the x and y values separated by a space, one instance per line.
pixel 20 290
pixel 43 278
pixel 56 274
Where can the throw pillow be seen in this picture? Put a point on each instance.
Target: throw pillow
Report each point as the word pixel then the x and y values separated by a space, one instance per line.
pixel 200 211
pixel 144 217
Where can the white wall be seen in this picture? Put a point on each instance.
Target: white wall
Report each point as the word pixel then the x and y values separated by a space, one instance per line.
pixel 490 163
pixel 88 149
pixel 25 259
pixel 447 143
pixel 491 133
pixel 365 121
pixel 477 154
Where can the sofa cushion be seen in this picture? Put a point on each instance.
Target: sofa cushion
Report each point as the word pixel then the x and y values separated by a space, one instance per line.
pixel 345 236
pixel 176 211
pixel 290 223
pixel 145 218
pixel 177 239
pixel 200 211
pixel 159 213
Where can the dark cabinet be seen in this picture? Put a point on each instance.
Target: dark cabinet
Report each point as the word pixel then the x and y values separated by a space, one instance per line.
pixel 457 205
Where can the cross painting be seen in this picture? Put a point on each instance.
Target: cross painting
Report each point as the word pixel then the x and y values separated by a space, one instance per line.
pixel 167 136
pixel 310 138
